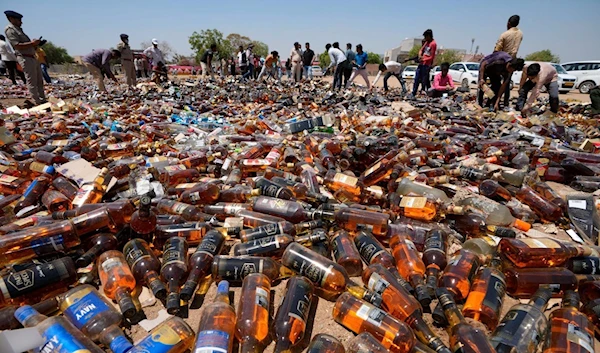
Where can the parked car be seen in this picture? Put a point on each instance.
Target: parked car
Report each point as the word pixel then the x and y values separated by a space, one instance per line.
pixel 566 81
pixel 409 72
pixel 317 71
pixel 464 73
pixel 587 73
pixel 436 70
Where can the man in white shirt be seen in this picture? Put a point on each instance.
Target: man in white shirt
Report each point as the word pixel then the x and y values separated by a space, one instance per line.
pixel 391 68
pixel 338 59
pixel 139 67
pixel 296 59
pixel 157 57
pixel 8 57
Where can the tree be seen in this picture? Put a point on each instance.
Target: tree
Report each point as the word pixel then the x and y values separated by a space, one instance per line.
pixel 413 52
pixel 449 56
pixel 182 60
pixel 164 46
pixel 260 48
pixel 543 55
pixel 56 54
pixel 237 39
pixel 374 59
pixel 324 60
pixel 202 41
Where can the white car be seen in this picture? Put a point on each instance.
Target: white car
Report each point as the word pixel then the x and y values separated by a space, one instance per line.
pixel 409 72
pixel 587 73
pixel 464 73
pixel 317 71
pixel 566 81
pixel 436 70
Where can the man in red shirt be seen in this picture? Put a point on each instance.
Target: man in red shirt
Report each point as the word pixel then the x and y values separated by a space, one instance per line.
pixel 426 57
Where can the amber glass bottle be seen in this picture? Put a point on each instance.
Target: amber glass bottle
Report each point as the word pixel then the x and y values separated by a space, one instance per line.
pixel 434 257
pixel 235 269
pixel 524 282
pixel 96 245
pixel 174 269
pixel 486 296
pixel 464 338
pixel 201 261
pixel 570 330
pixel 459 273
pixel 117 280
pixel 252 327
pixel 290 322
pixel 216 329
pixel 540 252
pixel 143 221
pixel 359 316
pixel 92 192
pixel 345 253
pixel 410 265
pixel 324 343
pixel 145 266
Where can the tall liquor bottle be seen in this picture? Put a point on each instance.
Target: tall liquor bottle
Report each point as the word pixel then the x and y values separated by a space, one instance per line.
pixel 252 326
pixel 410 265
pixel 345 253
pixel 117 280
pixel 524 326
pixel 201 261
pixel 172 336
pixel 459 273
pixel 464 338
pixel 235 269
pixel 96 317
pixel 143 221
pixel 434 257
pixel 92 192
pixel 60 335
pixel 174 269
pixel 290 322
pixel 97 244
pixel 524 282
pixel 486 296
pixel 216 329
pixel 540 252
pixel 145 266
pixel 359 316
pixel 570 329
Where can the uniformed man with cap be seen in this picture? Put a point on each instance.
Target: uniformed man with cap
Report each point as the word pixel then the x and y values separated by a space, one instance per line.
pixel 25 50
pixel 127 60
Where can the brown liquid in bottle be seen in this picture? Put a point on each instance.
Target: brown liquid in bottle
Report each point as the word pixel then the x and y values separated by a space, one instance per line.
pixel 486 296
pixel 458 274
pixel 345 253
pixel 524 282
pixel 290 322
pixel 117 280
pixel 410 265
pixel 570 329
pixel 252 327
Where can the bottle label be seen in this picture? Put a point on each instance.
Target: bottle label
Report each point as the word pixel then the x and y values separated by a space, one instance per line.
pixel 174 168
pixel 186 185
pixel 60 340
pixel 372 169
pixel 580 337
pixel 195 196
pixel 238 269
pixel 495 293
pixel 212 341
pixel 271 190
pixel 541 243
pixel 345 179
pixel 85 305
pixel 179 207
pixel 210 244
pixel 50 245
pixel 116 146
pixel 271 229
pixel 109 264
pixel 40 167
pixel 272 204
pixel 368 248
pixel 174 252
pixel 315 272
pixel 377 284
pixel 301 309
pixel 508 331
pixel 413 202
pixel 28 280
pixel 262 298
pixel 587 265
pixel 162 340
pixel 135 254
pixel 371 314
pixel 7 179
pixel 433 243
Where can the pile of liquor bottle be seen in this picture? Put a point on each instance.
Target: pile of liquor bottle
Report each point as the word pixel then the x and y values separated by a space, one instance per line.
pixel 392 215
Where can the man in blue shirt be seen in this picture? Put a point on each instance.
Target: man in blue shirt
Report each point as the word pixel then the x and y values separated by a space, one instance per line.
pixel 360 66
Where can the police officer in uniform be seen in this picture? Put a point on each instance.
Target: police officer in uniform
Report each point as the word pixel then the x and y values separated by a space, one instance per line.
pixel 25 50
pixel 127 60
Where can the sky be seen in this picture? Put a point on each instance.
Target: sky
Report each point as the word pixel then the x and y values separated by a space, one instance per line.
pixel 568 28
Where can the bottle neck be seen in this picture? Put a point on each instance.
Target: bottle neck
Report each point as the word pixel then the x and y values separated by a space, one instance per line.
pixel 451 311
pixel 540 299
pixel 250 345
pixel 114 338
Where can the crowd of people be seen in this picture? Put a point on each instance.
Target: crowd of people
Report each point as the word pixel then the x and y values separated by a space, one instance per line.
pixel 19 51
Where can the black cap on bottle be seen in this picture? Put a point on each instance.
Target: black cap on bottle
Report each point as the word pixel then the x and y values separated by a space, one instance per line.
pixel 158 288
pixel 187 292
pixel 422 295
pixel 439 318
pixel 126 304
pixel 504 232
pixel 173 303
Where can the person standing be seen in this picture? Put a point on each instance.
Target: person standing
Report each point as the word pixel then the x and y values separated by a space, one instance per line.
pixel 40 55
pixel 249 74
pixel 242 60
pixel 296 60
pixel 498 67
pixel 350 59
pixel 207 60
pixel 509 42
pixel 139 67
pixel 270 66
pixel 25 51
pixel 442 83
pixel 360 66
pixel 426 58
pixel 98 63
pixel 9 58
pixel 538 75
pixel 307 59
pixel 338 59
pixel 391 68
pixel 127 60
pixel 157 57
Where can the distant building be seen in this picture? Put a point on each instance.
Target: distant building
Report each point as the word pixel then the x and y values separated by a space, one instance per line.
pixel 400 53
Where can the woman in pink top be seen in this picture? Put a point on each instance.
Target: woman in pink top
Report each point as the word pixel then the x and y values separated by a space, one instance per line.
pixel 442 83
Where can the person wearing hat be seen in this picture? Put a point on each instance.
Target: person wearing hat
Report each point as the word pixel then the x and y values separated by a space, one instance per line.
pixel 25 51
pixel 296 60
pixel 157 58
pixel 127 60
pixel 98 63
pixel 9 58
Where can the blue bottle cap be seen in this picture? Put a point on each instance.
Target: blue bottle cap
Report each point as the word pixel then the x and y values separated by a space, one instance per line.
pixel 25 312
pixel 223 287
